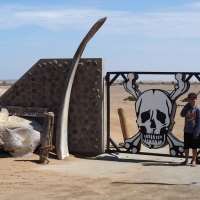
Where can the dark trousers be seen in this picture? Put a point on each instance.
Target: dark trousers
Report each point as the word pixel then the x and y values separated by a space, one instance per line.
pixel 190 142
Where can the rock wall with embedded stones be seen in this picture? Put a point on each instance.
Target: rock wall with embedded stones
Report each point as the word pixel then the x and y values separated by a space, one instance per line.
pixel 42 86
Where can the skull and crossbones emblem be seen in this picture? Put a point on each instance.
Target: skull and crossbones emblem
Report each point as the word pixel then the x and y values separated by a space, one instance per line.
pixel 155 111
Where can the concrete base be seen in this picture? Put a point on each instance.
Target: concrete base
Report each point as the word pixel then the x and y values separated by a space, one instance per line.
pixel 132 167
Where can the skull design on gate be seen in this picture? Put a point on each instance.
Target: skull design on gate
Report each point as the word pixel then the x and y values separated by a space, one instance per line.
pixel 155 110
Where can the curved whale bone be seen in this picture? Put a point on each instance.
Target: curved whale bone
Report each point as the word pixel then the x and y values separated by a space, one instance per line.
pixel 180 88
pixel 131 86
pixel 133 143
pixel 62 123
pixel 176 146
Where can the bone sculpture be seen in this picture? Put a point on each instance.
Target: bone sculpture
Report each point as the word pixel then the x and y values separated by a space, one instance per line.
pixel 19 136
pixel 155 110
pixel 61 133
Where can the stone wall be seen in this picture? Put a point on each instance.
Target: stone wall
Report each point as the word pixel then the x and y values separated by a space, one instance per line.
pixel 42 86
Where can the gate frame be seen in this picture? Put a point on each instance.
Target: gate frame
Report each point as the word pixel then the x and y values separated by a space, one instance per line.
pixel 109 82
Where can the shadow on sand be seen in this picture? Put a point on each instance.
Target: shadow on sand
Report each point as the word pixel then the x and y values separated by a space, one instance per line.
pixel 145 162
pixel 51 156
pixel 150 183
pixel 4 154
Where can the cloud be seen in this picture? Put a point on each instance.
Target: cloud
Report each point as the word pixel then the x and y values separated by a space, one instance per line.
pixel 168 24
pixel 195 5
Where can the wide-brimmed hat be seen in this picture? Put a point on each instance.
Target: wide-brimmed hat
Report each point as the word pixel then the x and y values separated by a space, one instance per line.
pixel 192 95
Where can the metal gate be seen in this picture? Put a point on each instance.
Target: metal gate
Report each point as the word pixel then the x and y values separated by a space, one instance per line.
pixel 110 80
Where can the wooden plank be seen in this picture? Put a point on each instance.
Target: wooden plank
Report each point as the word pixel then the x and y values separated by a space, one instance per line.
pixel 46 145
pixel 124 124
pixel 26 111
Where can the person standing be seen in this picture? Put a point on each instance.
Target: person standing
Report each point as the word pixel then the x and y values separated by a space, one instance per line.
pixel 191 112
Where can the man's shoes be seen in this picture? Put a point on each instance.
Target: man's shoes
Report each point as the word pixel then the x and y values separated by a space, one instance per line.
pixel 184 163
pixel 197 161
pixel 193 165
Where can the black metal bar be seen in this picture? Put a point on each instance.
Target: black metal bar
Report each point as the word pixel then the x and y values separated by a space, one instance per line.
pixel 197 77
pixel 124 77
pixel 189 77
pixel 112 81
pixel 163 73
pixel 117 74
pixel 113 143
pixel 108 110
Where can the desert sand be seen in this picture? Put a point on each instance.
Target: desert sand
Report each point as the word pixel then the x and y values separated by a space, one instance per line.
pixel 105 177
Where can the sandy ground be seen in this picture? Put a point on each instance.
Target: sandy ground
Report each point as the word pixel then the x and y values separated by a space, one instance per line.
pixel 108 176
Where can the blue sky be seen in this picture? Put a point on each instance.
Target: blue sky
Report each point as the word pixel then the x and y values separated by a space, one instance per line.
pixel 138 35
